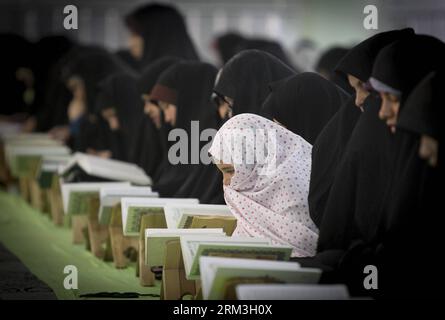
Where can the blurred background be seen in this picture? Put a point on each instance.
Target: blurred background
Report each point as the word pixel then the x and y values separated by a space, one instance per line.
pixel 304 27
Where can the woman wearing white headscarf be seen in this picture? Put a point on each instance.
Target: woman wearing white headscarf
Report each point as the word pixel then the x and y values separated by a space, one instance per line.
pixel 266 170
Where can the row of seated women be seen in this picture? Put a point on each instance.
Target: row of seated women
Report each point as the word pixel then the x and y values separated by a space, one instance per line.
pixel 348 180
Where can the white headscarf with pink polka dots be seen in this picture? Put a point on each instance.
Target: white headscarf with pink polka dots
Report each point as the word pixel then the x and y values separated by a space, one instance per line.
pixel 268 194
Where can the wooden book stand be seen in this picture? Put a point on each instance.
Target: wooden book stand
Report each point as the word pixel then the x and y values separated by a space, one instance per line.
pixel 119 243
pixel 36 195
pixel 24 188
pixel 97 233
pixel 55 202
pixel 174 283
pixel 79 223
pixel 146 276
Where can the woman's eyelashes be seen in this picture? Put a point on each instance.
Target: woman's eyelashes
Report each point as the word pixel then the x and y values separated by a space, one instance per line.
pixel 229 170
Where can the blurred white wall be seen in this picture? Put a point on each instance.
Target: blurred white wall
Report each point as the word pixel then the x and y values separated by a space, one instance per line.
pixel 338 22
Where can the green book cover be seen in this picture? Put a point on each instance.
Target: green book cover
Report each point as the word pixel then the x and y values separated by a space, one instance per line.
pixel 26 166
pixel 257 252
pixel 78 201
pixel 105 217
pixel 133 226
pixel 155 250
pixel 187 219
pixel 156 240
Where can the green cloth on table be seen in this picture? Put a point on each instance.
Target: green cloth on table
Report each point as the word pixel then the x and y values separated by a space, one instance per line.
pixel 46 249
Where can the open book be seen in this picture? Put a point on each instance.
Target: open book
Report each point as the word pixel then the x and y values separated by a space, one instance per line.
pixel 16 143
pixel 30 140
pixel 181 216
pixel 220 276
pixel 110 196
pixel 24 158
pixel 11 137
pixel 134 208
pixel 75 194
pixel 237 247
pixel 292 292
pixel 155 240
pixel 84 168
pixel 8 129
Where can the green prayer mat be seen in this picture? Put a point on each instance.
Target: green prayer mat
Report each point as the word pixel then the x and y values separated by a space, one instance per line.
pixel 46 249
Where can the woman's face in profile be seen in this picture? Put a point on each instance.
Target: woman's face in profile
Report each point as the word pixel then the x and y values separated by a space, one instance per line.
pixel 136 45
pixel 153 111
pixel 110 116
pixel 361 93
pixel 169 112
pixel 76 86
pixel 225 107
pixel 389 110
pixel 227 171
pixel 77 105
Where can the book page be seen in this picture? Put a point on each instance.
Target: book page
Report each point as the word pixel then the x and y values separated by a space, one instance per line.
pixel 67 188
pixel 172 216
pixel 146 202
pixel 181 216
pixel 112 169
pixel 245 251
pixel 211 264
pixel 157 238
pixel 190 246
pixel 224 270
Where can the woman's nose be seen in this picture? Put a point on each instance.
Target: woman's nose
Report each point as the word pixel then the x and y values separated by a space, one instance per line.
pixel 359 100
pixel 384 112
